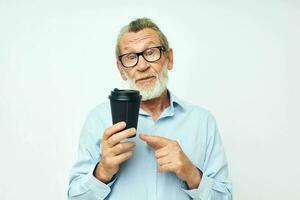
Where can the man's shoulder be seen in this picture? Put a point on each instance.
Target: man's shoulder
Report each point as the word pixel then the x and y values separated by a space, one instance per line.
pixel 191 108
pixel 101 109
pixel 104 106
pixel 197 109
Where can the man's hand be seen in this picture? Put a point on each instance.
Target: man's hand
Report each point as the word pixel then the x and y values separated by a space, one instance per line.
pixel 171 158
pixel 113 151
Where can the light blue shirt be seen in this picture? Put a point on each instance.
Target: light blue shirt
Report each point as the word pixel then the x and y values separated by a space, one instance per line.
pixel 193 127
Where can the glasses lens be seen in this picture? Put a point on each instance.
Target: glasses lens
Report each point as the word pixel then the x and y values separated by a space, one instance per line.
pixel 152 54
pixel 129 60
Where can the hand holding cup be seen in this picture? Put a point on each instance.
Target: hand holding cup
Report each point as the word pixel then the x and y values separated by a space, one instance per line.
pixel 114 152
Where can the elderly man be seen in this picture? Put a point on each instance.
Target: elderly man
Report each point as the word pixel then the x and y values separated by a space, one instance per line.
pixel 177 153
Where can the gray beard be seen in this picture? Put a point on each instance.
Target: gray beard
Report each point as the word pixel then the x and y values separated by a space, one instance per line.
pixel 153 91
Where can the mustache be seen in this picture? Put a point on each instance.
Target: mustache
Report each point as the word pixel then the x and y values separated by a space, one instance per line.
pixel 144 76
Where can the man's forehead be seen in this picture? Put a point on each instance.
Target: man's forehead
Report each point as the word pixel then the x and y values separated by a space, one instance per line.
pixel 143 37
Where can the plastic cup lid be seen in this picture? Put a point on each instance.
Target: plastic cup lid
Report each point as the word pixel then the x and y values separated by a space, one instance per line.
pixel 125 95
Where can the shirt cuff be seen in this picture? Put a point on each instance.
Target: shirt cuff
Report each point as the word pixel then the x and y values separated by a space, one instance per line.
pixel 98 188
pixel 203 192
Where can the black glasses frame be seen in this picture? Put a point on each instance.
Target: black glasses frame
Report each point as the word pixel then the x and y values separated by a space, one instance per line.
pixel 142 54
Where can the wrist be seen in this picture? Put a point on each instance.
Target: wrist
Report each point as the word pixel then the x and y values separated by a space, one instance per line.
pixel 101 174
pixel 194 178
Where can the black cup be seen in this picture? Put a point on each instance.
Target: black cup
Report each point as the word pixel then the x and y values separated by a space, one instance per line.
pixel 125 106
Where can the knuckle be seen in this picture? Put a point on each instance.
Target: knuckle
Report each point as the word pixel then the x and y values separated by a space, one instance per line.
pixel 103 144
pixel 112 140
pixel 106 131
pixel 131 131
pixel 159 161
pixel 121 147
pixel 130 153
pixel 133 144
pixel 129 146
pixel 122 123
pixel 127 132
pixel 109 141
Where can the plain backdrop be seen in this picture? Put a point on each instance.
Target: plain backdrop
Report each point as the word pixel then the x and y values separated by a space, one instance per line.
pixel 238 59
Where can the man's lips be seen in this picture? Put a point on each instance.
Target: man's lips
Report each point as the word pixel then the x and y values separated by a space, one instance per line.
pixel 145 79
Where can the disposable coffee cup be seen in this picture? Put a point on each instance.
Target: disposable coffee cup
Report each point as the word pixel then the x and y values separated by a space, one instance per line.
pixel 125 106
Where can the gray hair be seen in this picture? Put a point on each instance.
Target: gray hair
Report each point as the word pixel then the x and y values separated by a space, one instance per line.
pixel 138 25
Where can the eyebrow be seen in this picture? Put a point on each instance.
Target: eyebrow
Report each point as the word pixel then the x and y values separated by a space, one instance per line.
pixel 150 42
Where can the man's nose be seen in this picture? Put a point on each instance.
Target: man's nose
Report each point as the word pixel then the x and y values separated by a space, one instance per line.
pixel 142 64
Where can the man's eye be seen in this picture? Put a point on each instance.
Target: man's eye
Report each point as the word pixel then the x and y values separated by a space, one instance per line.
pixel 149 52
pixel 131 57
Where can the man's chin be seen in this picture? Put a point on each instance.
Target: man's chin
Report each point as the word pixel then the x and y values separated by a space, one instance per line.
pixel 145 90
pixel 148 89
pixel 145 86
pixel 150 94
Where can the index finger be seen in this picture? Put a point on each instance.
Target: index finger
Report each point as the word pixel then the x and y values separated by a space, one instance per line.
pixel 155 142
pixel 113 129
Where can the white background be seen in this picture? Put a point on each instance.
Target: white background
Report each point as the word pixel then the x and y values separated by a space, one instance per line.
pixel 239 59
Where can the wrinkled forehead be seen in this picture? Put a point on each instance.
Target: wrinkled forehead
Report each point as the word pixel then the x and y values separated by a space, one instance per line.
pixel 138 41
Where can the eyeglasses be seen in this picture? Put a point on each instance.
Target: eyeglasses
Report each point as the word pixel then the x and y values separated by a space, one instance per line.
pixel 150 55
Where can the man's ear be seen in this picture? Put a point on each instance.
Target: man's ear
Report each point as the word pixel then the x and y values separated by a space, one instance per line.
pixel 170 58
pixel 121 70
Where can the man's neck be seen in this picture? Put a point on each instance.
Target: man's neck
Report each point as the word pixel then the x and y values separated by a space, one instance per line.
pixel 156 106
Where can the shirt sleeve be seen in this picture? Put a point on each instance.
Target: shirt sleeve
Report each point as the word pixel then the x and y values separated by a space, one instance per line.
pixel 82 183
pixel 215 184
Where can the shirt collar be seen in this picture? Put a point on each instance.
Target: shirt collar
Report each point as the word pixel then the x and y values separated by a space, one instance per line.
pixel 174 103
